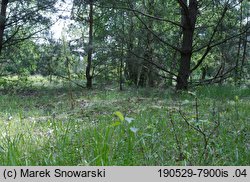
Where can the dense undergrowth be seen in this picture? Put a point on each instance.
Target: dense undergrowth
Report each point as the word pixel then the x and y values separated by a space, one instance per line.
pixel 208 126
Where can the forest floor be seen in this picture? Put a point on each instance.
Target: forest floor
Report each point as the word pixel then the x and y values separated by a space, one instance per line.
pixel 43 125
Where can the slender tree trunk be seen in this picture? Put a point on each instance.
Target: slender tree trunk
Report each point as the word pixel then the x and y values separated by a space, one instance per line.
pixel 122 57
pixel 131 62
pixel 4 4
pixel 89 76
pixel 236 71
pixel 244 55
pixel 189 16
pixel 203 73
pixel 121 71
pixel 145 71
pixel 151 78
pixel 71 97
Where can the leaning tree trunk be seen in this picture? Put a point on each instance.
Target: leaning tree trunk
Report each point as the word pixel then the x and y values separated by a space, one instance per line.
pixel 89 76
pixel 189 16
pixel 4 4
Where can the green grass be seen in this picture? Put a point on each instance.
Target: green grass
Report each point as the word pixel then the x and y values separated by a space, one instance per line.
pixel 38 127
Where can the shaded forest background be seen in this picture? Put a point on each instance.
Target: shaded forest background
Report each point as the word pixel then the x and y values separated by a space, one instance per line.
pixel 144 43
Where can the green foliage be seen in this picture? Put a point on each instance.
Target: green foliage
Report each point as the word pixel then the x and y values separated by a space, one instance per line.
pixel 13 85
pixel 126 41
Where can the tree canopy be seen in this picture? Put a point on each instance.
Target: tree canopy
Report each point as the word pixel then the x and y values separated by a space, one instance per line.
pixel 147 43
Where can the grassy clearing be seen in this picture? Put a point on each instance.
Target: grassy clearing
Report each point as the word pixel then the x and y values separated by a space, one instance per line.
pixel 152 127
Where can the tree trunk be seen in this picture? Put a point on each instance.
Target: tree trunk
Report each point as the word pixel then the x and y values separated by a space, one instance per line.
pixel 150 72
pixel 184 69
pixel 236 71
pixel 131 62
pixel 145 72
pixel 89 76
pixel 189 16
pixel 121 70
pixel 4 4
pixel 244 56
pixel 203 73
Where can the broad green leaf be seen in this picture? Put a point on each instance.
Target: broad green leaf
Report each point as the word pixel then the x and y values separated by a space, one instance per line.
pixel 119 115
pixel 117 123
